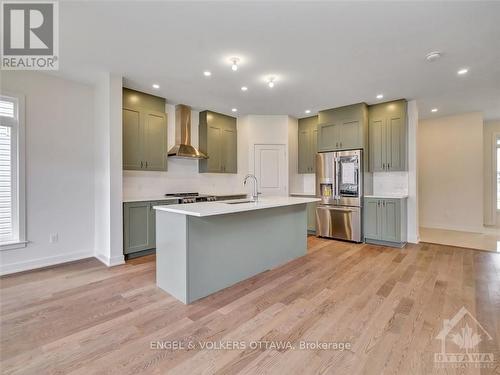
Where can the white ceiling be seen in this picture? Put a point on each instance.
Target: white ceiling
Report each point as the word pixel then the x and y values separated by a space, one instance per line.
pixel 326 54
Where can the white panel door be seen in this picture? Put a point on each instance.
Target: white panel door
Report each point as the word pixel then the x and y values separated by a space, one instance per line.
pixel 271 169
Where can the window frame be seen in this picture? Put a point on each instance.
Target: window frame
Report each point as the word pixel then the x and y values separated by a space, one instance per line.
pixel 19 217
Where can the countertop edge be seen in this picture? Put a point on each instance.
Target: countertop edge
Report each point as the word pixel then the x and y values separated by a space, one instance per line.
pixel 218 210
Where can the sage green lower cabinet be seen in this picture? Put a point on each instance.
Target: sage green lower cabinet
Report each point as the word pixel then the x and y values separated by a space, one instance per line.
pixel 311 217
pixel 311 211
pixel 139 232
pixel 385 221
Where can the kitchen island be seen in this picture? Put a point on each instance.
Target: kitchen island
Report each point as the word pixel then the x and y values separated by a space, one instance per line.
pixel 205 247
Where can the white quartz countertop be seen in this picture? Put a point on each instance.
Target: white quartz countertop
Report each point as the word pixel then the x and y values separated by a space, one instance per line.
pixel 203 209
pixel 387 196
pixel 147 199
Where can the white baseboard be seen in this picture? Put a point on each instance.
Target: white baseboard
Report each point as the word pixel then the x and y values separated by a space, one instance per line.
pixel 111 262
pixel 452 227
pixel 414 240
pixel 6 269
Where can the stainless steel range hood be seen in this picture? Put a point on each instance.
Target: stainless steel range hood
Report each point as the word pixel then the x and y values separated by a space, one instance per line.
pixel 183 148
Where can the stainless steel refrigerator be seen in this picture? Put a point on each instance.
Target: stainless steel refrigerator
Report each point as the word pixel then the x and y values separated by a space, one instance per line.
pixel 339 184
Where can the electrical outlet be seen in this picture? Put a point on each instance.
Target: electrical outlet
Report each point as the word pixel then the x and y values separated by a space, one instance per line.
pixel 54 237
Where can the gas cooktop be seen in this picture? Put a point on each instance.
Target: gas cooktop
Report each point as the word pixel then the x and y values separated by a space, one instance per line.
pixel 192 197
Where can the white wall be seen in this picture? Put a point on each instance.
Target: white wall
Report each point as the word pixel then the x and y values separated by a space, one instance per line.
pixel 413 198
pixel 490 132
pixel 59 170
pixel 108 242
pixel 295 179
pixel 450 158
pixel 182 175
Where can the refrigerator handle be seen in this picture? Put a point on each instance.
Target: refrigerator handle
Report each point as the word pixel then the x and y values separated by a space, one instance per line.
pixel 337 178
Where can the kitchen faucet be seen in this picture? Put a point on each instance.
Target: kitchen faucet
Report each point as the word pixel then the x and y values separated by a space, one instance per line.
pixel 255 195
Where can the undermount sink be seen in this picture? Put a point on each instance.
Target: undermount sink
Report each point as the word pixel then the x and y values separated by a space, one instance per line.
pixel 239 202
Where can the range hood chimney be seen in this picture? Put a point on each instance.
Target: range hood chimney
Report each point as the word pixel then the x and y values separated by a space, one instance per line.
pixel 183 148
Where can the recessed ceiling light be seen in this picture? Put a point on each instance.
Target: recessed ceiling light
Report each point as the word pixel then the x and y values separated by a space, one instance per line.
pixel 307 111
pixel 206 73
pixel 433 56
pixel 234 110
pixel 234 61
pixel 156 86
pixel 380 96
pixel 270 82
pixel 244 88
pixel 462 71
pixel 434 110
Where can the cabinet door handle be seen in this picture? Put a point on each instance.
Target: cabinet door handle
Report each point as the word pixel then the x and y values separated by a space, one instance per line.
pixel 383 202
pixel 141 164
pixel 146 164
pixel 378 203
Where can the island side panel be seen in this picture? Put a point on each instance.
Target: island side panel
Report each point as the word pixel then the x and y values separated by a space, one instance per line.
pixel 226 249
pixel 171 254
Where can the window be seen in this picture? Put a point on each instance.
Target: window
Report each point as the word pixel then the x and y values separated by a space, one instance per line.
pixel 498 173
pixel 12 226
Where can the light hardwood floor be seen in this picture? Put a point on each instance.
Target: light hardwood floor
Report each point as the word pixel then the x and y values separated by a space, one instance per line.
pixel 83 318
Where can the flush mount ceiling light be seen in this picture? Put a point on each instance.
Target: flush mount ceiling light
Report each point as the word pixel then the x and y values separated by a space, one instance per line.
pixel 234 110
pixel 206 73
pixel 433 56
pixel 380 96
pixel 463 71
pixel 156 86
pixel 234 61
pixel 434 110
pixel 244 88
pixel 270 82
pixel 307 111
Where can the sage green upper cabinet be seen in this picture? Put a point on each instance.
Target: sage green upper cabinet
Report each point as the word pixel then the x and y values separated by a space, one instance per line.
pixel 308 136
pixel 218 140
pixel 144 131
pixel 343 128
pixel 388 136
pixel 229 149
pixel 132 135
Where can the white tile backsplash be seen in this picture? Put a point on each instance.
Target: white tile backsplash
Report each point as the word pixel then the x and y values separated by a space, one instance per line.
pixel 182 176
pixel 390 183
